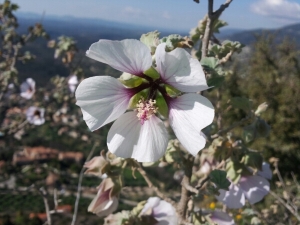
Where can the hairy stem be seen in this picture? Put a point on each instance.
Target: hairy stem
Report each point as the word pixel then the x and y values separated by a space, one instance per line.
pixel 185 193
pixel 79 185
pixel 211 19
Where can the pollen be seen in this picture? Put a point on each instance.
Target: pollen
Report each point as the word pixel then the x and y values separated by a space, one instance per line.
pixel 145 109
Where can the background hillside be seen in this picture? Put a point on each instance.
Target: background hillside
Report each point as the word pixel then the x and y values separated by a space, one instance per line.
pixel 87 31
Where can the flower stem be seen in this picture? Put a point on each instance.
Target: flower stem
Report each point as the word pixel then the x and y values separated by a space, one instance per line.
pixel 152 186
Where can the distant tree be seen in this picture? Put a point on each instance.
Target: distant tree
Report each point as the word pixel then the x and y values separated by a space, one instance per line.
pixel 273 76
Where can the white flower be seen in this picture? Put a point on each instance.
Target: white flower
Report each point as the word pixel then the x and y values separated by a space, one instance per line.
pixel 73 82
pixel 221 218
pixel 35 115
pixel 28 88
pixel 253 188
pixel 162 211
pixel 140 134
pixel 104 203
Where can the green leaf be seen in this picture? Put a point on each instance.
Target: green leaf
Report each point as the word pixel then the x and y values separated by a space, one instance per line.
pixel 218 177
pixel 172 41
pixel 253 160
pixel 215 81
pixel 234 171
pixel 249 133
pixel 210 62
pixel 151 39
pixel 218 24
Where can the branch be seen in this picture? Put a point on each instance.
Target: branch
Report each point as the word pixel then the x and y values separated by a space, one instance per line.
pixel 79 184
pixel 212 17
pixel 208 32
pixel 218 13
pixel 152 186
pixel 287 206
pixel 226 58
pixel 185 192
pixel 43 193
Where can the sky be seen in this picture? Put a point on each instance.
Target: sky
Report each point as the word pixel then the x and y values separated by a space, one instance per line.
pixel 171 14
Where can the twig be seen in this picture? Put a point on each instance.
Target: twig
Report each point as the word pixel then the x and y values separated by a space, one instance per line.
pixel 218 108
pixel 226 58
pixel 287 206
pixel 212 17
pixel 79 185
pixel 202 182
pixel 208 29
pixel 185 193
pixel 190 188
pixel 152 186
pixel 43 193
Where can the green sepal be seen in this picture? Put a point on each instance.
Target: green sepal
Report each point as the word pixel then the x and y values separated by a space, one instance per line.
pixel 137 97
pixel 162 105
pixel 151 72
pixel 130 81
pixel 171 91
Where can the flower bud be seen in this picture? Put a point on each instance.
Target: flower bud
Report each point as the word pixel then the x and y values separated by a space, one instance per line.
pixel 106 200
pixel 96 166
pixel 261 108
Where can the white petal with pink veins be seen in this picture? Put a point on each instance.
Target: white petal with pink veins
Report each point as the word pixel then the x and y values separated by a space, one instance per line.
pixel 129 138
pixel 178 69
pixel 188 115
pixel 234 198
pixel 162 211
pixel 221 218
pixel 153 141
pixel 123 135
pixel 130 56
pixel 255 188
pixel 102 99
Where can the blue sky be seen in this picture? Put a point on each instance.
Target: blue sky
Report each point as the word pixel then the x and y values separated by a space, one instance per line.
pixel 171 14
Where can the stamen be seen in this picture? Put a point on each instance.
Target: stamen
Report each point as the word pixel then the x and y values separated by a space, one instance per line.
pixel 145 109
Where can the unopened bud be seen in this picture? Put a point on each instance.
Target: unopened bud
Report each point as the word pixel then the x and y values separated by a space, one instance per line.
pixel 261 108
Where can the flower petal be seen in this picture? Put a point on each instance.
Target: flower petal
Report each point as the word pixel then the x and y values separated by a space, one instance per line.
pixel 109 208
pixel 255 188
pixel 129 138
pixel 266 171
pixel 188 115
pixel 130 56
pixel 162 211
pixel 102 99
pixel 178 69
pixel 234 198
pixel 221 218
pixel 27 88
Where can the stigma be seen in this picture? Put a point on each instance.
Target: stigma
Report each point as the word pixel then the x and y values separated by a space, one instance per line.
pixel 145 109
